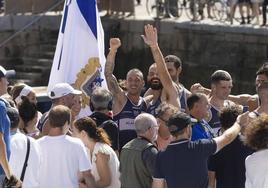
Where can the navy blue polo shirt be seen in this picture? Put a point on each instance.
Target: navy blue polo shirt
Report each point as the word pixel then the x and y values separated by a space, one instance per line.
pixel 184 163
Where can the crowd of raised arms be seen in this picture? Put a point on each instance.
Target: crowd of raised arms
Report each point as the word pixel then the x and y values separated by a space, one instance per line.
pixel 161 136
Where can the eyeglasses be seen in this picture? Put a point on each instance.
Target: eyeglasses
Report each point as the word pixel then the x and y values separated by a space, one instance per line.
pixel 154 126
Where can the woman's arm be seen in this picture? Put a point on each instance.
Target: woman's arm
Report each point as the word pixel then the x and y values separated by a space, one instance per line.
pixel 103 170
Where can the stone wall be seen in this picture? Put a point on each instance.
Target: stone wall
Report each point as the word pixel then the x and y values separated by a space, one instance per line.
pixel 45 31
pixel 30 53
pixel 203 48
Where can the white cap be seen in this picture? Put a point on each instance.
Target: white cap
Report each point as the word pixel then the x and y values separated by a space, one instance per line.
pixel 62 89
pixel 6 73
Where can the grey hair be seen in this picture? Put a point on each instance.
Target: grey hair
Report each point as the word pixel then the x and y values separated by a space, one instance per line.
pixel 143 122
pixel 100 98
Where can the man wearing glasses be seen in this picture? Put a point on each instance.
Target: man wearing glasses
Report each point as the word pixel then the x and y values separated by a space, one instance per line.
pixel 137 158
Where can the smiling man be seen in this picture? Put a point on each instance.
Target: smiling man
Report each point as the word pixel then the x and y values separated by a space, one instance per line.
pixel 162 87
pixel 126 104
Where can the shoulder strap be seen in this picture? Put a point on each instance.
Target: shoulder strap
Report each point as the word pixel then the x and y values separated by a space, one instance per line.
pixel 26 160
pixel 149 145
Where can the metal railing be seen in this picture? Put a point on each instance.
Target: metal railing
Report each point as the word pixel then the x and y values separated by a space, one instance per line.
pixel 39 17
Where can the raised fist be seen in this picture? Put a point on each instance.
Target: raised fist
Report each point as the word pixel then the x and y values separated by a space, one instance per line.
pixel 115 43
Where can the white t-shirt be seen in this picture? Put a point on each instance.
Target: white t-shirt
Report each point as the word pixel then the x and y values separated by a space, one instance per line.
pixel 18 154
pixel 257 170
pixel 113 164
pixel 63 157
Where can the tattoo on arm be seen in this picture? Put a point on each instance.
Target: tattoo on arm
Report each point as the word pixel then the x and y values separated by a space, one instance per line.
pixel 112 83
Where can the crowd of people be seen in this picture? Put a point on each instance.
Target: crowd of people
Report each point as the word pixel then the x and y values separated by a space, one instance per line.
pixel 252 7
pixel 245 11
pixel 163 136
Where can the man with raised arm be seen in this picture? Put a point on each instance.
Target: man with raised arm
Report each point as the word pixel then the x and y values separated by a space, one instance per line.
pixel 184 162
pixel 174 66
pixel 126 104
pixel 161 85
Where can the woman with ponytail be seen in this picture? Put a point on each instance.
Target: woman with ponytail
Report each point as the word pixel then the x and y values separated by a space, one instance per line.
pixel 105 164
pixel 28 118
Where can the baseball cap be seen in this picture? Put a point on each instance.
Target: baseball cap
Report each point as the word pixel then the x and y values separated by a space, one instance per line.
pixel 6 73
pixel 62 89
pixel 179 121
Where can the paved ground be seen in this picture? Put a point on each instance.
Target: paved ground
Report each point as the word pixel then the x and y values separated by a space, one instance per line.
pixel 141 13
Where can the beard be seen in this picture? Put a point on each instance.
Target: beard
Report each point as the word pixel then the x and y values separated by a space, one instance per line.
pixel 155 84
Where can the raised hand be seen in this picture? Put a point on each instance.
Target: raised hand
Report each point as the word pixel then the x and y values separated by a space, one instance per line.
pixel 243 119
pixel 150 35
pixel 115 43
pixel 197 88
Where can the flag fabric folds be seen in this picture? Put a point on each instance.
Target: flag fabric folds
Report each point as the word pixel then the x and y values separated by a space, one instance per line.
pixel 79 58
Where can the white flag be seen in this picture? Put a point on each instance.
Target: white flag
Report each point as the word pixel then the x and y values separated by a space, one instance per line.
pixel 79 58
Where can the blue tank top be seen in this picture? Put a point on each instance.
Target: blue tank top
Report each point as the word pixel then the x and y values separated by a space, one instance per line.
pixel 245 109
pixel 183 100
pixel 125 120
pixel 153 106
pixel 214 120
